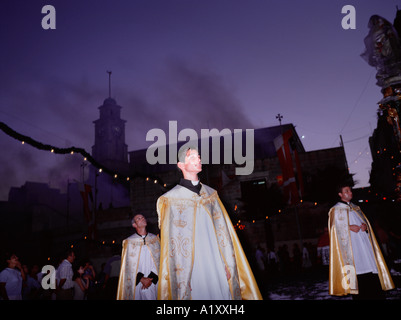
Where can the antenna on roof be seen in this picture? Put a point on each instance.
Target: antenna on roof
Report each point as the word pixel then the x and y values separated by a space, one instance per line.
pixel 109 72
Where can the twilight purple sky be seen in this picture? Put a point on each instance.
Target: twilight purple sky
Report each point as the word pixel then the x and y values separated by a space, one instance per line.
pixel 206 64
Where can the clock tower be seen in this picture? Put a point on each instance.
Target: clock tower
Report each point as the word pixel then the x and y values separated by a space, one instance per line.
pixel 110 149
pixel 111 152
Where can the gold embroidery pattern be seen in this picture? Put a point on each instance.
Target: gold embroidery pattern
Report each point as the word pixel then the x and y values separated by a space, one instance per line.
pixel 179 269
pixel 180 223
pixel 181 206
pixel 343 235
pixel 222 236
pixel 180 246
pixel 183 288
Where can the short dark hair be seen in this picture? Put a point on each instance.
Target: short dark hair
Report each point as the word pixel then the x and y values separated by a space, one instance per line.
pixel 342 185
pixel 136 214
pixel 7 256
pixel 182 152
pixel 68 252
pixel 4 257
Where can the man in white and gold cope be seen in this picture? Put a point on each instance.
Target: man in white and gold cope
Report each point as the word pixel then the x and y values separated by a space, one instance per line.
pixel 139 264
pixel 357 266
pixel 201 257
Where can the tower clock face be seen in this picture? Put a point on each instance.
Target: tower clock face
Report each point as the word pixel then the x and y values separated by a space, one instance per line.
pixel 116 131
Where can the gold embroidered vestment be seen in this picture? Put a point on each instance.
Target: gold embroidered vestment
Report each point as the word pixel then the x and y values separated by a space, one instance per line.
pixel 177 217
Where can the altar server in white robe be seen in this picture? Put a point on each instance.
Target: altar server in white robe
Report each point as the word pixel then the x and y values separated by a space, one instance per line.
pixel 357 266
pixel 139 264
pixel 201 257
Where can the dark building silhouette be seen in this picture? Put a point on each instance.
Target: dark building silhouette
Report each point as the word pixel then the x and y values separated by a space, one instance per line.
pixel 38 220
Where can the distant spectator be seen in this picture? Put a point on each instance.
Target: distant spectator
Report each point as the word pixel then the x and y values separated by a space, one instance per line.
pixel 306 261
pixel 31 288
pixel 90 274
pixel 271 263
pixel 81 283
pixel 11 279
pixel 65 287
pixel 260 258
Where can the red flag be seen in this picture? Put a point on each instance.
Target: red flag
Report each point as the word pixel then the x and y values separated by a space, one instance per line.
pixel 283 149
pixel 86 193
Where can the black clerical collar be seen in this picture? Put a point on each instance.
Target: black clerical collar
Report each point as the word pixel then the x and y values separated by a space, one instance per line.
pixel 347 203
pixel 188 184
pixel 143 236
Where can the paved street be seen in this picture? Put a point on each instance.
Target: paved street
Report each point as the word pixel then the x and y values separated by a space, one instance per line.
pixel 313 286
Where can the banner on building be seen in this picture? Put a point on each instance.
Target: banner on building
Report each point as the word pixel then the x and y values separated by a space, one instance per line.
pixel 291 179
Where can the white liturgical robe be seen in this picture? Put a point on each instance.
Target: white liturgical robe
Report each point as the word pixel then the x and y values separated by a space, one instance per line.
pixel 364 257
pixel 353 251
pixel 207 285
pixel 140 257
pixel 146 266
pixel 198 245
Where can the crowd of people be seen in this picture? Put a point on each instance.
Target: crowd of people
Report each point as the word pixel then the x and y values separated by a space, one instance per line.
pixel 77 279
pixel 71 279
pixel 19 281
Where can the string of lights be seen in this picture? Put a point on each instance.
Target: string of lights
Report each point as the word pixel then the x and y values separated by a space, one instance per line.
pixel 116 175
pixel 74 150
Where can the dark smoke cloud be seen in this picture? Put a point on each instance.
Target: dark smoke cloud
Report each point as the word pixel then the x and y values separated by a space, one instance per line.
pixel 201 98
pixel 195 97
